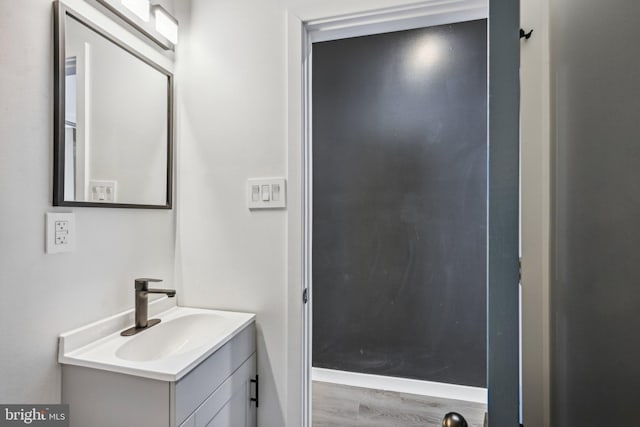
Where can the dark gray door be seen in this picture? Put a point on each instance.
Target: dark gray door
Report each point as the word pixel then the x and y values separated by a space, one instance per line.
pixel 503 212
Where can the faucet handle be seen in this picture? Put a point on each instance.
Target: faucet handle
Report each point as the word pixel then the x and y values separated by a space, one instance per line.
pixel 143 284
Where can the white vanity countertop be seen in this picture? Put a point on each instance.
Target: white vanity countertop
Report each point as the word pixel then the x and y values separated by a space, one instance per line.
pixel 166 352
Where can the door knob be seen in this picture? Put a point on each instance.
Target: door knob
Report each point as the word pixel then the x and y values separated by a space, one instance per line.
pixel 453 419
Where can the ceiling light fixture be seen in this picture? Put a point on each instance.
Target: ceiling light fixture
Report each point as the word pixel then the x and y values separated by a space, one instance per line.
pixel 166 24
pixel 152 20
pixel 139 7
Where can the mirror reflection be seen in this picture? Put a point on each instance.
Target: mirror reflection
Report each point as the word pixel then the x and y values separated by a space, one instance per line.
pixel 117 130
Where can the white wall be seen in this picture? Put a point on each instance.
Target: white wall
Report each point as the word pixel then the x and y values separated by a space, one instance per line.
pixel 43 295
pixel 536 210
pixel 231 126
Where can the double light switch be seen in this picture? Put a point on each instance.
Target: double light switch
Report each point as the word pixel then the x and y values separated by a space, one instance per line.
pixel 265 193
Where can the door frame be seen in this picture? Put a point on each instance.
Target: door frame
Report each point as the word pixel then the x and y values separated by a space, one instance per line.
pixel 335 20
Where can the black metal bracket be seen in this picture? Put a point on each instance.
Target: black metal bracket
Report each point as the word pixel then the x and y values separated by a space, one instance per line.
pixel 257 398
pixel 525 35
pixel 305 295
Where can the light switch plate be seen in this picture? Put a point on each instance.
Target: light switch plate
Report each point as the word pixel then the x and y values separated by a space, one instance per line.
pixel 266 193
pixel 60 232
pixel 103 191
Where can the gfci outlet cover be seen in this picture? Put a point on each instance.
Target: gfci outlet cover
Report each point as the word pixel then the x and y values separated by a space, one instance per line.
pixel 60 232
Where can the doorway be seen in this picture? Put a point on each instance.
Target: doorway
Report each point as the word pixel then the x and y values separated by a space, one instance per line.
pixel 399 150
pixel 307 27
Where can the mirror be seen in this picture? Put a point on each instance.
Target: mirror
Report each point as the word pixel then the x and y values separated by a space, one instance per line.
pixel 113 121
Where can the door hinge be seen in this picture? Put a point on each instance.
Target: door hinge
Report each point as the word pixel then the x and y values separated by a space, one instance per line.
pixel 305 295
pixel 256 399
pixel 520 271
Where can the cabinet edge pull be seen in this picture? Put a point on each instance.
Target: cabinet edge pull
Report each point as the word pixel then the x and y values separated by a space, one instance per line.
pixel 256 399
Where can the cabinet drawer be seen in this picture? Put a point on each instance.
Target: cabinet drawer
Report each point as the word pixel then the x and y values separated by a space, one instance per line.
pixel 194 388
pixel 230 404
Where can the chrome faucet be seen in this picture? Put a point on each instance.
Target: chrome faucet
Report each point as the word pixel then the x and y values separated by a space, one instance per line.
pixel 142 292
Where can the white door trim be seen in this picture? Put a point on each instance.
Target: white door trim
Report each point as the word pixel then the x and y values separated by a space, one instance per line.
pixel 418 15
pixel 332 20
pixel 536 160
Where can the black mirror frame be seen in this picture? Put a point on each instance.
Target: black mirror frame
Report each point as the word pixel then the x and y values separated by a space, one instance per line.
pixel 61 11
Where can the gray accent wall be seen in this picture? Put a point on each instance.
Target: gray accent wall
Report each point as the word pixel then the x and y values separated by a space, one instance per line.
pixel 596 276
pixel 399 204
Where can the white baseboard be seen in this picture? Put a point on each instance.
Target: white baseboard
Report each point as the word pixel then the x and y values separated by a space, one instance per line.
pixel 401 385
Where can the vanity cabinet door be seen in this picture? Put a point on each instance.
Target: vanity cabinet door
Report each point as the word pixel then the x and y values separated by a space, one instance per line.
pixel 230 405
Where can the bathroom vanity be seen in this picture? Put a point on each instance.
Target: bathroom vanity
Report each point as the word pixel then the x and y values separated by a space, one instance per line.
pixel 196 368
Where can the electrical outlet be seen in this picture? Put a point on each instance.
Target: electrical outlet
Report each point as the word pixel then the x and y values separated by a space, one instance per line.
pixel 62 233
pixel 60 229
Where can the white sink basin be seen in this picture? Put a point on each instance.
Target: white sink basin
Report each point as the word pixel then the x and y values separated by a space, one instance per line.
pixel 167 351
pixel 176 336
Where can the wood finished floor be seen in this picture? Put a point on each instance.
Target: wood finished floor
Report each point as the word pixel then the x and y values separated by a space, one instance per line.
pixel 336 405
